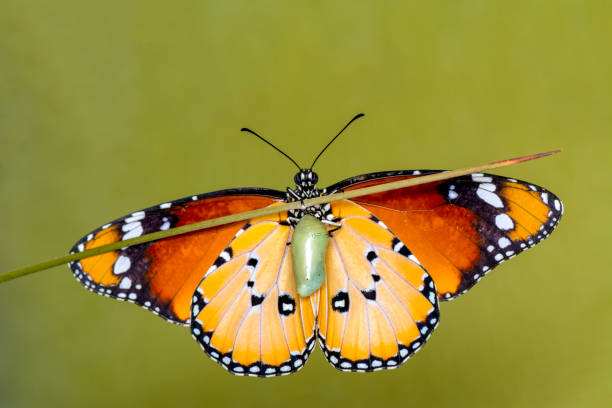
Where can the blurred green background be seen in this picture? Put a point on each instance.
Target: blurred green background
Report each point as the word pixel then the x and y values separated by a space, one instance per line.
pixel 109 107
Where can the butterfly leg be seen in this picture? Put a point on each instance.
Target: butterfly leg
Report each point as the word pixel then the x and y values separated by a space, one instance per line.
pixel 295 195
pixel 335 224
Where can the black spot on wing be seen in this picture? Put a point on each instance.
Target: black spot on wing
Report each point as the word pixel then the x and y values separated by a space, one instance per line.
pixel 340 302
pixel 252 262
pixel 286 305
pixel 369 294
pixel 256 300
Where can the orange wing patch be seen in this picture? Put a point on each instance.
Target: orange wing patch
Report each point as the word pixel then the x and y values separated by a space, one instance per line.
pixel 246 313
pixel 99 267
pixel 377 306
pixel 162 276
pixel 527 208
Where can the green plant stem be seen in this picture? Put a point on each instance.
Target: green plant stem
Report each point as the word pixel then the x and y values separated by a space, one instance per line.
pixel 265 211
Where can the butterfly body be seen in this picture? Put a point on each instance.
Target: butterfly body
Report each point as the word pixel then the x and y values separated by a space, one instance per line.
pixel 392 256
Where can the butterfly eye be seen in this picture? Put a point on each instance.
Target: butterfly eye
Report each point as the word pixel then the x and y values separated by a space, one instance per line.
pixel 314 177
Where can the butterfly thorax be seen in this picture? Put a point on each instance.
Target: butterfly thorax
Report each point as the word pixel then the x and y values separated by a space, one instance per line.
pixel 305 188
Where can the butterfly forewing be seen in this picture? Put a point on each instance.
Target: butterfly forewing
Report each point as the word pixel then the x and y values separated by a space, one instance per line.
pixel 246 313
pixel 461 228
pixel 378 305
pixel 161 276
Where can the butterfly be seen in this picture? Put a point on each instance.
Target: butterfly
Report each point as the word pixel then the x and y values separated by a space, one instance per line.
pixel 387 260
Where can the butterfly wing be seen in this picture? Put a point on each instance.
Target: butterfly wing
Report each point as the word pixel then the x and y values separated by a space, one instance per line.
pixel 161 276
pixel 246 313
pixel 378 306
pixel 461 228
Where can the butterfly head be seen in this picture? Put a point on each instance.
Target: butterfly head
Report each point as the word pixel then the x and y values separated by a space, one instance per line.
pixel 305 188
pixel 305 179
pixel 305 185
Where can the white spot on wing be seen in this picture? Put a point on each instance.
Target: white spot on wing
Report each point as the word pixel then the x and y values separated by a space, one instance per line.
pixel 489 197
pixel 503 242
pixel 137 216
pixel 225 255
pixel 480 178
pixel 504 222
pixel 122 264
pixel 133 233
pixel 125 283
pixel 488 186
pixel 130 226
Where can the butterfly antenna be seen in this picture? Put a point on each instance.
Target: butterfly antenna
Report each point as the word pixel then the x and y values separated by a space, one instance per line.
pixel 335 137
pixel 277 149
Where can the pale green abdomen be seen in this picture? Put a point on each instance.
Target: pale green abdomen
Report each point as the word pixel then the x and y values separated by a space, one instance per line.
pixel 308 247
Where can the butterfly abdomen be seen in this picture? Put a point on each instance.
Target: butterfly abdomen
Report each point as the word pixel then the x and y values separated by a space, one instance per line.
pixel 308 247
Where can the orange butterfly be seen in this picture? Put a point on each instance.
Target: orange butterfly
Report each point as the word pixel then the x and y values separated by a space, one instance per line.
pixel 389 258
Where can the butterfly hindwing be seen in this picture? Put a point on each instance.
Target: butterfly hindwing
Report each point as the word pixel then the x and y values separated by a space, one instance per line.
pixel 463 227
pixel 246 313
pixel 378 305
pixel 162 275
